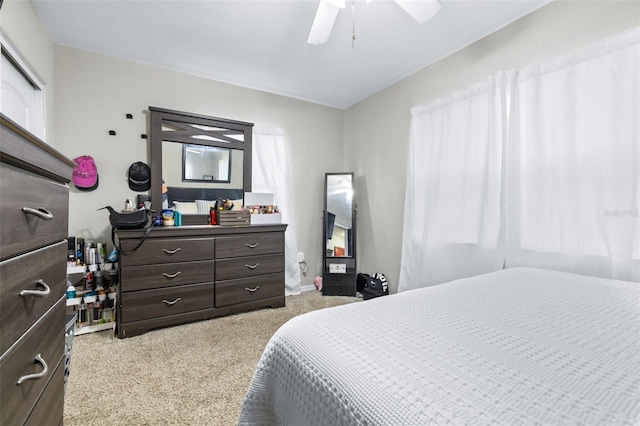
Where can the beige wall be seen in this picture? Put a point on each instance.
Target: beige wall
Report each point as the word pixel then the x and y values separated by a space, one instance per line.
pixel 377 129
pixel 95 92
pixel 22 28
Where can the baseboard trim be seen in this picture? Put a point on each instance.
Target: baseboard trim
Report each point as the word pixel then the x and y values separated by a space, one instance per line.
pixel 306 288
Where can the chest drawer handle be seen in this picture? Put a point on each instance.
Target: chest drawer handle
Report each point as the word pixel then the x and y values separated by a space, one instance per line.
pixel 252 245
pixel 171 275
pixel 253 266
pixel 40 375
pixel 166 302
pixel 37 293
pixel 171 251
pixel 40 212
pixel 252 290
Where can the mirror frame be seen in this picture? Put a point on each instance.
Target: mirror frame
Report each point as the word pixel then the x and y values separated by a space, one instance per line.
pixel 160 117
pixel 326 217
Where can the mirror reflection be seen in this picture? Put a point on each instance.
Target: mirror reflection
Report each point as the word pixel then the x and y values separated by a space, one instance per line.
pixel 339 218
pixel 201 163
pixel 173 172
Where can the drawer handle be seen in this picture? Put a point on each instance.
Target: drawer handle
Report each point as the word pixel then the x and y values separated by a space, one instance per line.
pixel 171 303
pixel 171 275
pixel 252 290
pixel 252 245
pixel 40 375
pixel 253 266
pixel 37 293
pixel 171 251
pixel 40 212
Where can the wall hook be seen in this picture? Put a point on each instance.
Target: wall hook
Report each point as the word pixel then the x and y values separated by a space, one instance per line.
pixel 112 132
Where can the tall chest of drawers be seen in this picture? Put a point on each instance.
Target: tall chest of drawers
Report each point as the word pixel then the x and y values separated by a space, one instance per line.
pixel 189 273
pixel 34 212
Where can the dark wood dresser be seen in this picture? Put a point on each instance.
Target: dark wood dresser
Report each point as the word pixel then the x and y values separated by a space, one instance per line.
pixel 34 213
pixel 189 273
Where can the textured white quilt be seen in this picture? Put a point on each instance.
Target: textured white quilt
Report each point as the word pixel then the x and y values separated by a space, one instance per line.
pixel 514 347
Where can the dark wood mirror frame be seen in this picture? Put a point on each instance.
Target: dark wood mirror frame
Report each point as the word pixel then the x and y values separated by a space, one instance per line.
pixel 188 128
pixel 339 282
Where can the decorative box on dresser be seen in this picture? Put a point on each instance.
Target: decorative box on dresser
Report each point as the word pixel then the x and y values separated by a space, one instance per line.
pixel 34 213
pixel 188 273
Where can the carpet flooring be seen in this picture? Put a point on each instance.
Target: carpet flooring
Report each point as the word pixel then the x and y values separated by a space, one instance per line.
pixel 192 374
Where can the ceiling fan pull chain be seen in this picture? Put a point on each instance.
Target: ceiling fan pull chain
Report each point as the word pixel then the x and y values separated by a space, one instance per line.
pixel 353 23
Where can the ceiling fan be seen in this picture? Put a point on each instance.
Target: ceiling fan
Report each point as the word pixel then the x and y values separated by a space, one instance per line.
pixel 420 10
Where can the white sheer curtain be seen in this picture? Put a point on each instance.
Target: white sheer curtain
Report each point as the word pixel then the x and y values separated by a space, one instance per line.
pixel 566 194
pixel 574 162
pixel 270 173
pixel 452 215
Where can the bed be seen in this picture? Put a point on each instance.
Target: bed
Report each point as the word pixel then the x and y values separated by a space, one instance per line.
pixel 517 346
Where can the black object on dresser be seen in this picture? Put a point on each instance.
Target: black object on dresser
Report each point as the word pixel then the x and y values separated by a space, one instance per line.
pixel 189 273
pixel 339 236
pixel 33 250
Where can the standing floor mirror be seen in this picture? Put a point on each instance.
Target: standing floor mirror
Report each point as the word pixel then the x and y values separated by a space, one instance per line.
pixel 339 235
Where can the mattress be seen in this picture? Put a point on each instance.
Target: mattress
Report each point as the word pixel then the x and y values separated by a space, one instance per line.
pixel 517 346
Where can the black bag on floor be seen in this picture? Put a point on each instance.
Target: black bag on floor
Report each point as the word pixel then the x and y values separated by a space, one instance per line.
pixel 372 286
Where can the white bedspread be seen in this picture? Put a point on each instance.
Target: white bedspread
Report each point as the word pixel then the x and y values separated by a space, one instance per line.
pixel 519 346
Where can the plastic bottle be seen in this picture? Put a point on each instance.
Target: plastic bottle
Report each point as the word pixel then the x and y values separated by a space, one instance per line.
pixel 113 276
pixel 89 280
pixel 85 274
pixel 102 253
pixel 71 290
pixel 98 278
pixel 80 254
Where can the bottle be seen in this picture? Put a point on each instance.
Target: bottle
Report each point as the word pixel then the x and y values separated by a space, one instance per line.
pixel 214 216
pixel 113 276
pixel 102 253
pixel 71 290
pixel 107 310
pixel 98 278
pixel 80 253
pixel 85 274
pixel 82 315
pixel 89 281
pixel 92 254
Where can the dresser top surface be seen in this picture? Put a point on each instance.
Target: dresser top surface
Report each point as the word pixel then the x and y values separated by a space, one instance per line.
pixel 21 148
pixel 199 231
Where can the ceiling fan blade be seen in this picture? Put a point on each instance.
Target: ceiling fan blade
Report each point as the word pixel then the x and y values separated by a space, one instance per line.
pixel 420 10
pixel 323 22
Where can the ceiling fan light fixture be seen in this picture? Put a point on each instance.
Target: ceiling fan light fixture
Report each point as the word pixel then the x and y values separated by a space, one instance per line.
pixel 323 22
pixel 420 10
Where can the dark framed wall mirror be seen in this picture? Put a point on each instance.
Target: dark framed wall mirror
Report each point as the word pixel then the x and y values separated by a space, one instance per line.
pixel 197 158
pixel 339 235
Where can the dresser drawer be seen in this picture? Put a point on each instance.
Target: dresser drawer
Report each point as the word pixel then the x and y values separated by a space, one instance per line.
pixel 135 278
pixel 50 408
pixel 18 313
pixel 148 304
pixel 163 250
pixel 45 339
pixel 249 245
pixel 241 267
pixel 21 231
pixel 249 289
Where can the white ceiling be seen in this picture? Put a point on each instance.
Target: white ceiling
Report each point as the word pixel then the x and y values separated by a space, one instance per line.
pixel 262 44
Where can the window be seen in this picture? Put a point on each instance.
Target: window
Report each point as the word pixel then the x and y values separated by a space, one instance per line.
pixel 21 93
